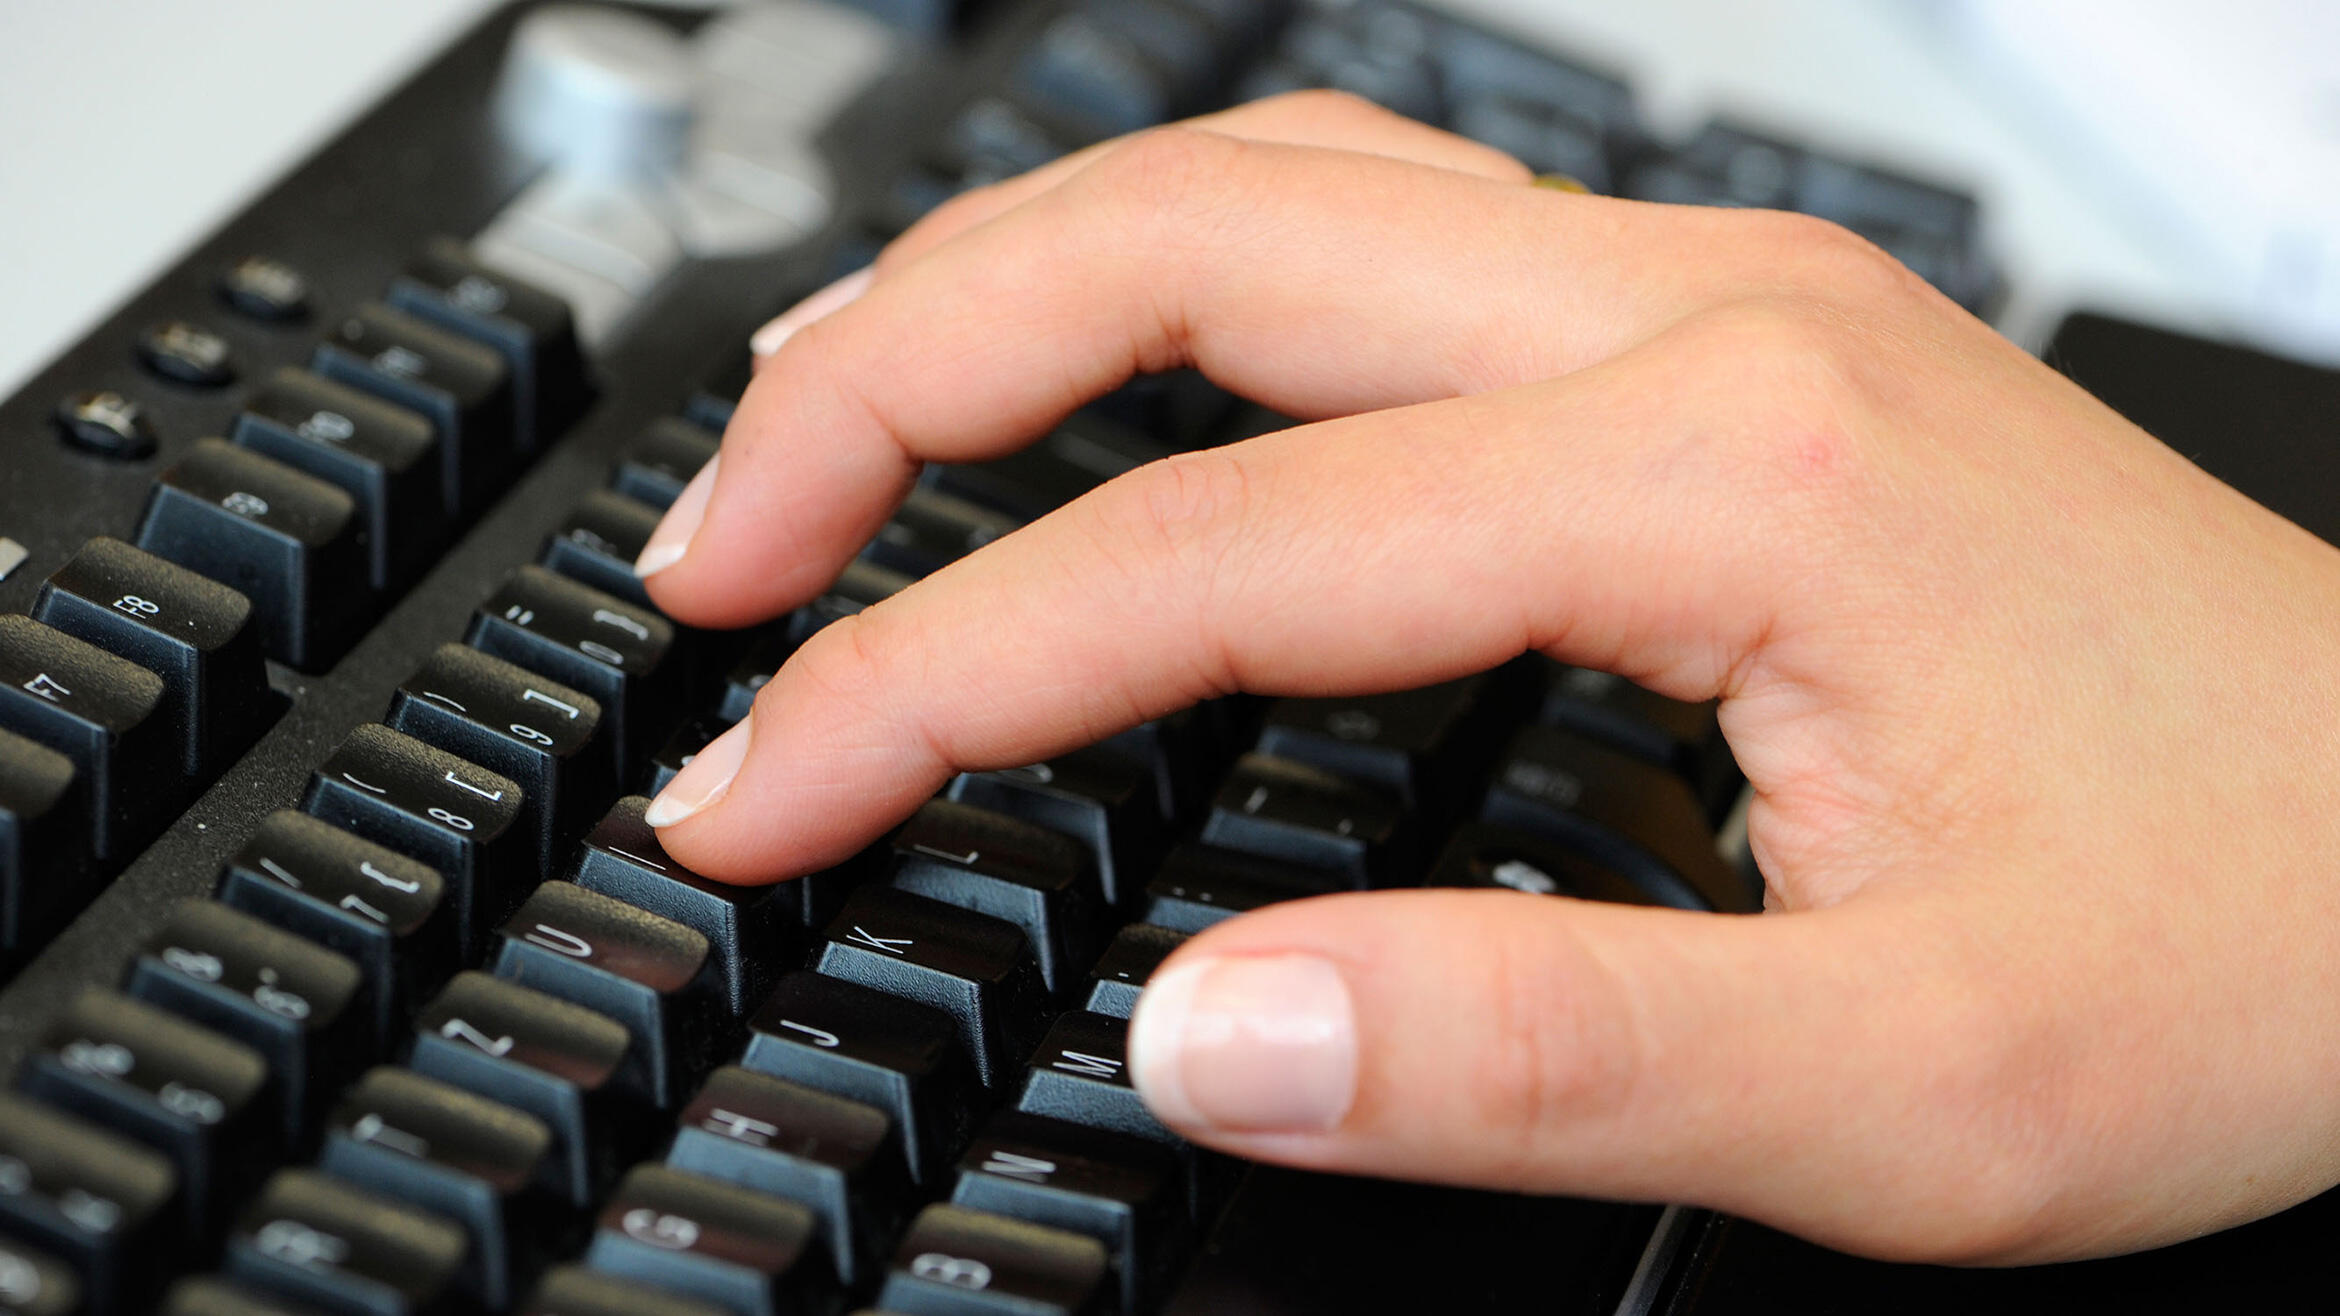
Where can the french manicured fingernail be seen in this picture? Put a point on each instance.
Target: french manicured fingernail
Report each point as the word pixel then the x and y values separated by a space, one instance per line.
pixel 835 297
pixel 704 780
pixel 672 538
pixel 1247 1044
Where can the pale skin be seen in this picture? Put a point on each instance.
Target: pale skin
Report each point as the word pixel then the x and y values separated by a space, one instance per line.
pixel 2038 716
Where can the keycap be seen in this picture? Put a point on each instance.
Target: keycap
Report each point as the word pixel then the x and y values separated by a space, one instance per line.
pixel 868 1046
pixel 678 752
pixel 298 1005
pixel 383 456
pixel 1080 1074
pixel 1080 454
pixel 1425 745
pixel 1099 798
pixel 321 1242
pixel 455 1155
pixel 541 1055
pixel 974 968
pixel 99 1204
pixel 836 1157
pixel 1480 855
pixel 1041 881
pixel 196 1097
pixel 745 1251
pixel 1183 754
pixel 931 529
pixel 265 289
pixel 1116 68
pixel 292 543
pixel 104 423
pixel 1640 820
pixel 437 809
pixel 757 665
pixel 1126 1192
pixel 42 839
pixel 752 932
pixel 34 1283
pixel 859 585
pixel 658 464
pixel 957 1262
pixel 576 1291
pixel 460 386
pixel 652 975
pixel 385 913
pixel 718 393
pixel 198 635
pixel 592 642
pixel 1296 813
pixel 103 713
pixel 1121 972
pixel 186 353
pixel 211 1296
pixel 1685 738
pixel 996 135
pixel 538 733
pixel 1199 885
pixel 599 543
pixel 527 326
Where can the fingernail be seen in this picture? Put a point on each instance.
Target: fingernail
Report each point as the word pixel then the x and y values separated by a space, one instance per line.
pixel 706 779
pixel 835 297
pixel 672 538
pixel 1247 1044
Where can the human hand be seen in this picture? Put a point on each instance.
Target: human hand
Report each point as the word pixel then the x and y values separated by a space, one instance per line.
pixel 2037 715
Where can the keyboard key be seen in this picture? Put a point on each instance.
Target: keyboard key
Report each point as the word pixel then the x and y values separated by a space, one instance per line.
pixel 297 1005
pixel 98 1204
pixel 388 915
pixel 384 457
pixel 868 1046
pixel 974 968
pixel 1081 1074
pixel 433 807
pixel 1484 856
pixel 461 387
pixel 507 719
pixel 1116 69
pixel 541 1055
pixel 836 1157
pixel 455 1155
pixel 196 1097
pixel 1426 746
pixel 678 751
pixel 1082 453
pixel 859 585
pixel 265 289
pixel 209 1296
pixel 1295 813
pixel 650 974
pixel 593 642
pixel 772 646
pixel 527 326
pixel 106 424
pixel 1684 738
pixel 931 529
pixel 599 543
pixel 955 1261
pixel 1041 881
pixel 292 543
pixel 1127 1193
pixel 42 837
pixel 576 1291
pixel 324 1243
pixel 35 1283
pixel 658 465
pixel 186 354
pixel 102 712
pixel 717 396
pixel 752 932
pixel 1097 797
pixel 1121 972
pixel 198 635
pixel 1639 820
pixel 1200 885
pixel 744 1251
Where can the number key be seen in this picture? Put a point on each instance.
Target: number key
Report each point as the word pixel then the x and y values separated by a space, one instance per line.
pixel 102 712
pixel 99 1204
pixel 961 1261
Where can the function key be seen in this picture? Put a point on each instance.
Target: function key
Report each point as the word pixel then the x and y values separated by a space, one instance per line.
pixel 105 714
pixel 106 423
pixel 325 1243
pixel 383 456
pixel 198 635
pixel 975 1263
pixel 463 388
pixel 526 325
pixel 40 831
pixel 290 542
pixel 186 353
pixel 265 289
pixel 89 1199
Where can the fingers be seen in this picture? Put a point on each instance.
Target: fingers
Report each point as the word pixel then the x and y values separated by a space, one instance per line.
pixel 1316 282
pixel 1572 520
pixel 1758 1065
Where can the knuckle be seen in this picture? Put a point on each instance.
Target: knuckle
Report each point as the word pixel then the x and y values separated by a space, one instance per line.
pixel 1177 172
pixel 1789 379
pixel 1836 262
pixel 1330 105
pixel 1182 512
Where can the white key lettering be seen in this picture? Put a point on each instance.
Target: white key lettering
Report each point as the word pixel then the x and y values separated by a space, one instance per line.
pixel 740 1128
pixel 1086 1065
pixel 890 945
pixel 1015 1165
pixel 819 1036
pixel 559 942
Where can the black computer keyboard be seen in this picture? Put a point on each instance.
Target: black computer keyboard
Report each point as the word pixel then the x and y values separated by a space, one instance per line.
pixel 338 969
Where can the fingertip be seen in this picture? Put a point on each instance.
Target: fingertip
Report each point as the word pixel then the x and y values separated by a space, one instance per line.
pixel 826 302
pixel 671 541
pixel 1247 1044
